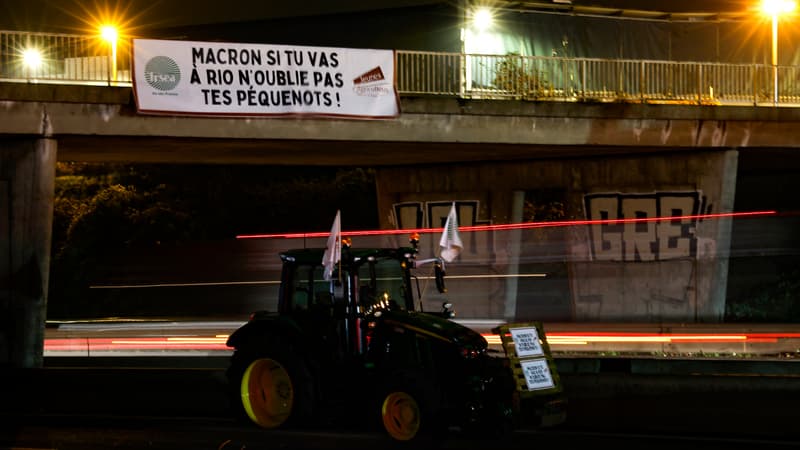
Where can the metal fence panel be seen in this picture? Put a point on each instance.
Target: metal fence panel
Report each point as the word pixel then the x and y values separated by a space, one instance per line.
pixel 77 59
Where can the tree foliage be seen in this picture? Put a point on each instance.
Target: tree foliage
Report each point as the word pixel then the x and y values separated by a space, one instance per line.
pixel 100 210
pixel 772 302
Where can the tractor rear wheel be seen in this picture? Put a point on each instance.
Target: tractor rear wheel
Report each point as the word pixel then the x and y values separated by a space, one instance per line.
pixel 271 388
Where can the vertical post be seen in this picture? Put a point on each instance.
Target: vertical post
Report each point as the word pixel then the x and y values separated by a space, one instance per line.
pixel 774 8
pixel 583 80
pixel 642 81
pixel 110 34
pixel 720 232
pixel 108 69
pixel 114 61
pixel 775 58
pixel 28 170
pixel 699 84
pixel 514 248
pixel 464 72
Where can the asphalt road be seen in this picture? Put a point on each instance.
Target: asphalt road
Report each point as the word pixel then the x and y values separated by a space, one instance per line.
pixel 186 408
pixel 200 435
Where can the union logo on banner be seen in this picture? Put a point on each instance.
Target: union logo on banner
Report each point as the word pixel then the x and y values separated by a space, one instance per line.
pixel 372 83
pixel 229 79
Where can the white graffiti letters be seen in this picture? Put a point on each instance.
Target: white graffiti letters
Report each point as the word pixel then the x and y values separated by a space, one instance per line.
pixel 639 234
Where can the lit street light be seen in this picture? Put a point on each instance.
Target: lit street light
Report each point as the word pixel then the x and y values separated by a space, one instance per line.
pixel 32 61
pixel 774 8
pixel 109 34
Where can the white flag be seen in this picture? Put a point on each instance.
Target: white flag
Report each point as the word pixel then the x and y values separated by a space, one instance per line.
pixel 334 251
pixel 451 242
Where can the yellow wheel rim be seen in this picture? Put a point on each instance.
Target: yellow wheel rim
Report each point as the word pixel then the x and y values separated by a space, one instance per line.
pixel 401 416
pixel 267 393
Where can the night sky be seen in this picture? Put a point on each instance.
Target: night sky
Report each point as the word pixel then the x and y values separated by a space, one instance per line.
pixel 76 16
pixel 141 15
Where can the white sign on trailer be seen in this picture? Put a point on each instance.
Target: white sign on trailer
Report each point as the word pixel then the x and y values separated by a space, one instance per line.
pixel 526 342
pixel 537 374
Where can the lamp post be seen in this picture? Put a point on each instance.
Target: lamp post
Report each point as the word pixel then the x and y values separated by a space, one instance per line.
pixel 32 61
pixel 774 8
pixel 110 35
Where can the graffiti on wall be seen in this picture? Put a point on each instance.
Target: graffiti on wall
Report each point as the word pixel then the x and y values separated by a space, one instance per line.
pixel 433 214
pixel 477 297
pixel 641 241
pixel 409 215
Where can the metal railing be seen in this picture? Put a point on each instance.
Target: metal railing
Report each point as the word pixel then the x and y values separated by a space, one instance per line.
pixel 593 79
pixel 76 59
pixel 61 58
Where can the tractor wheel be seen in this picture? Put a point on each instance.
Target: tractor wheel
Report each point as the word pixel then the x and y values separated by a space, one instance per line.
pixel 401 415
pixel 408 412
pixel 271 389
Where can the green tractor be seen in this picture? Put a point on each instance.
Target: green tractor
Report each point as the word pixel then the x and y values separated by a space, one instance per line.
pixel 358 345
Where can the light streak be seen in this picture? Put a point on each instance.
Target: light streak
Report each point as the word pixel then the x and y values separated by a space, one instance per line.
pixel 517 275
pixel 210 283
pixel 593 341
pixel 512 226
pixel 562 338
pixel 276 282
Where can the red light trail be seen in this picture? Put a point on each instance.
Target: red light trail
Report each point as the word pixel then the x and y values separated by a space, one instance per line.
pixel 600 341
pixel 514 226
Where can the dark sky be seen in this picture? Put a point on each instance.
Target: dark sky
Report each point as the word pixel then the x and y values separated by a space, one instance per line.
pixel 75 15
pixel 141 15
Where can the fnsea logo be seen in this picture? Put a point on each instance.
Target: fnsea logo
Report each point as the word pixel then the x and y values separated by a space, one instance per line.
pixel 162 73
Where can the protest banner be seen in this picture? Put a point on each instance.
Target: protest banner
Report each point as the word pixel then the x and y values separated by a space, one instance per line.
pixel 231 79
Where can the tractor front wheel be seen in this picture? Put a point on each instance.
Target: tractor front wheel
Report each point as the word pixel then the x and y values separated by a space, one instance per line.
pixel 401 415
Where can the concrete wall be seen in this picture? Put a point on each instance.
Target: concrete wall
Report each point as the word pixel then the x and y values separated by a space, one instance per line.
pixel 27 173
pixel 639 272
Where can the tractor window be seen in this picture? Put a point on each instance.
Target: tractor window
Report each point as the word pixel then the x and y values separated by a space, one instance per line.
pixel 309 288
pixel 382 284
pixel 301 288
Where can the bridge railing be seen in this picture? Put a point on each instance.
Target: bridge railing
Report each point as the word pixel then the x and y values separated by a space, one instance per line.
pixel 61 58
pixel 594 79
pixel 80 59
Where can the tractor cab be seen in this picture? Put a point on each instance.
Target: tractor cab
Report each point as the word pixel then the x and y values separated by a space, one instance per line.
pixel 364 285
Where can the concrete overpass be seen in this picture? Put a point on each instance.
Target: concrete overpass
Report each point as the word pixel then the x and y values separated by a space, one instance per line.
pixel 490 151
pixel 101 124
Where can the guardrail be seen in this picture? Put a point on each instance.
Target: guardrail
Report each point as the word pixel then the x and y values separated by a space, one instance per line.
pixel 62 58
pixel 594 79
pixel 78 59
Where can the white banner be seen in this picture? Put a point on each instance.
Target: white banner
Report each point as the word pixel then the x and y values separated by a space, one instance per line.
pixel 227 79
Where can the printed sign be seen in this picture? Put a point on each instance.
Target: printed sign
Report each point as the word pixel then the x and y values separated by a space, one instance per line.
pixel 227 79
pixel 526 342
pixel 537 374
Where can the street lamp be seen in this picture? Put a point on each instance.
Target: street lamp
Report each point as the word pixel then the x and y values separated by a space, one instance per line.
pixel 109 34
pixel 482 19
pixel 32 61
pixel 775 8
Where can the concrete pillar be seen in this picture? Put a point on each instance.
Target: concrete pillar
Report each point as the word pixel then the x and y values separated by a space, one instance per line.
pixel 517 207
pixel 27 177
pixel 716 305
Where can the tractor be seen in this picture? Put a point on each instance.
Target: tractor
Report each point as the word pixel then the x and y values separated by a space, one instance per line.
pixel 357 344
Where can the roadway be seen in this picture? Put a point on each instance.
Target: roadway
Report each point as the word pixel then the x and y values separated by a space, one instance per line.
pixel 161 385
pixel 182 405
